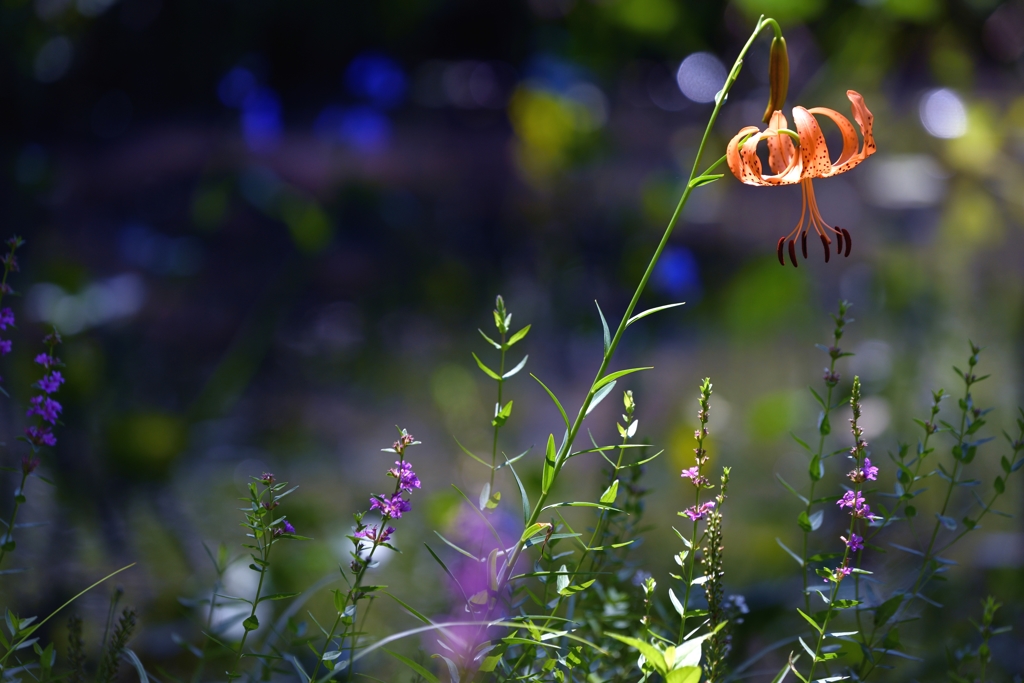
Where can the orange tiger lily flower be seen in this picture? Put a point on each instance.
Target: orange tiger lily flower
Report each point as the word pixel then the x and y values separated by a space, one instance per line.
pixel 791 165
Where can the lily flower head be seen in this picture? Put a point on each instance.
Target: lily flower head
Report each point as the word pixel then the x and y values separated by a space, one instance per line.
pixel 793 164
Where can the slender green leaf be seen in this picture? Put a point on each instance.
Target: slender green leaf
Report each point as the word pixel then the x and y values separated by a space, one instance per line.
pixel 548 475
pixel 796 557
pixel 517 336
pixel 649 311
pixel 615 375
pixel 561 410
pixel 470 454
pixel 792 490
pixel 487 371
pixel 522 490
pixel 611 492
pixel 604 327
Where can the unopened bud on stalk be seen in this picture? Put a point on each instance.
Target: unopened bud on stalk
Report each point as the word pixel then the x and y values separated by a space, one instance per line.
pixel 778 77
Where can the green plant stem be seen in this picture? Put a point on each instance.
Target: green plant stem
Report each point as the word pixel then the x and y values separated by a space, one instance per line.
pixel 353 592
pixel 201 664
pixel 810 494
pixel 9 536
pixel 265 546
pixel 497 427
pixel 613 345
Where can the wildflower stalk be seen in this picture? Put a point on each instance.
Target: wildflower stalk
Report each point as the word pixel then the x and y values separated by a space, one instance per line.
pixel 859 510
pixel 699 483
pixel 719 643
pixel 695 180
pixel 10 264
pixel 265 530
pixel 377 538
pixel 46 408
pixel 816 470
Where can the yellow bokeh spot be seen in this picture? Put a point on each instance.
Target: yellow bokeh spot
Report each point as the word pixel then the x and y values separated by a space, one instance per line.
pixel 976 149
pixel 914 10
pixel 548 126
pixel 783 10
pixel 646 16
pixel 773 415
pixel 972 218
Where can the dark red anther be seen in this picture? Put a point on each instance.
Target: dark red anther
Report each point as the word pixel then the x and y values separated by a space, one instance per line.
pixel 824 243
pixel 849 241
pixel 803 243
pixel 782 259
pixel 839 242
pixel 792 251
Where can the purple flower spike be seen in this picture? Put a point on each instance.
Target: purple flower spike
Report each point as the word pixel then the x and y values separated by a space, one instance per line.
pixel 869 470
pixel 693 474
pixel 371 533
pixel 407 479
pixel 6 318
pixel 854 543
pixel 839 573
pixel 46 360
pixel 44 407
pixel 41 436
pixel 391 508
pixel 696 512
pixel 5 346
pixel 51 383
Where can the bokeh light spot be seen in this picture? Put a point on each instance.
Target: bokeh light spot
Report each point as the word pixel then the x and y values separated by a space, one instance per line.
pixel 377 79
pixel 647 16
pixel 677 272
pixel 236 86
pixel 53 60
pixel 943 114
pixel 261 119
pixel 701 76
pixel 364 129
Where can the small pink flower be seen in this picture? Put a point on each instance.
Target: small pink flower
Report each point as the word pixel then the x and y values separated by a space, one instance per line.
pixel 696 512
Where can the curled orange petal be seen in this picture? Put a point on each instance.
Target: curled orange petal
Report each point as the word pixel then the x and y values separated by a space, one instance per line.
pixel 851 156
pixel 813 150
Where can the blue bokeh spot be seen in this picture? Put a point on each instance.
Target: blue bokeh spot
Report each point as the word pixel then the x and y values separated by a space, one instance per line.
pixel 377 79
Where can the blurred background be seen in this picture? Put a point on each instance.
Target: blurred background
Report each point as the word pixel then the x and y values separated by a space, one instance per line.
pixel 268 232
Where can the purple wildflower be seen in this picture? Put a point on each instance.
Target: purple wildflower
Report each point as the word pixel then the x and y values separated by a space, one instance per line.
pixel 288 528
pixel 51 382
pixel 695 512
pixel 5 346
pixel 372 533
pixel 41 436
pixel 854 543
pixel 45 407
pixel 46 360
pixel 6 318
pixel 869 470
pixel 407 479
pixel 391 508
pixel 855 501
pixel 693 474
pixel 838 574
